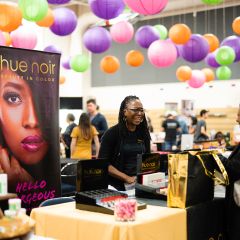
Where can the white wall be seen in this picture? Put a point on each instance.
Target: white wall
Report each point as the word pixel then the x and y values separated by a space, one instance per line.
pixel 222 94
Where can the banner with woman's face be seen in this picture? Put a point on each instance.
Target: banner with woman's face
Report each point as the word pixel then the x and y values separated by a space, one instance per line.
pixel 29 132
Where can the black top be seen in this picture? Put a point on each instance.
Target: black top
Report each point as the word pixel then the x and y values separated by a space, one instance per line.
pixel 170 127
pixel 232 165
pixel 122 151
pixel 67 134
pixel 100 123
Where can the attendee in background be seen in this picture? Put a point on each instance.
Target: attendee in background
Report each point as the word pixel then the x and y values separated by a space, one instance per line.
pixel 193 125
pixel 123 142
pixel 97 119
pixel 82 137
pixel 219 136
pixel 232 165
pixel 149 122
pixel 171 127
pixel 66 136
pixel 201 128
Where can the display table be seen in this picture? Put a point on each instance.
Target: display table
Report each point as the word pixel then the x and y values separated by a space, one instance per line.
pixel 64 221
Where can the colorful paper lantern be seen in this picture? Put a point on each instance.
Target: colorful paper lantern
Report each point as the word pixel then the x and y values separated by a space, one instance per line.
pixel 106 9
pixel 53 49
pixel 23 37
pixel 62 79
pixel 8 40
pixel 236 25
pixel 134 58
pixel 109 64
pixel 180 33
pixel 33 10
pixel 65 21
pixel 2 39
pixel 162 53
pixel 48 20
pixel 209 74
pixel 225 55
pixel 80 63
pixel 11 17
pixel 162 31
pixel 58 1
pixel 210 60
pixel 66 63
pixel 184 73
pixel 234 43
pixel 212 2
pixel 146 7
pixel 97 40
pixel 223 73
pixel 146 35
pixel 212 40
pixel 197 79
pixel 122 32
pixel 195 50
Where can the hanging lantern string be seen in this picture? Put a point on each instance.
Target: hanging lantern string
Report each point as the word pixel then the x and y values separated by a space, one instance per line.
pixel 224 21
pixel 205 19
pixel 209 20
pixel 215 21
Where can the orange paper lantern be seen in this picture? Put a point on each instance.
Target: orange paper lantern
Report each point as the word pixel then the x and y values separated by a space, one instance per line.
pixel 213 41
pixel 48 20
pixel 180 33
pixel 184 73
pixel 236 25
pixel 134 58
pixel 10 17
pixel 209 74
pixel 109 64
pixel 62 80
pixel 8 40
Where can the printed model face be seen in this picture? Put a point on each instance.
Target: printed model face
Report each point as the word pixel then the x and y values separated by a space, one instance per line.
pixel 134 112
pixel 18 119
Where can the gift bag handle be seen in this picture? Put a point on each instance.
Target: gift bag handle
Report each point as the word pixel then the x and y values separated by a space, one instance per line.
pixel 213 175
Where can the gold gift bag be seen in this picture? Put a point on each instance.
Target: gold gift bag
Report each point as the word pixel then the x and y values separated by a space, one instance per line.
pixel 191 177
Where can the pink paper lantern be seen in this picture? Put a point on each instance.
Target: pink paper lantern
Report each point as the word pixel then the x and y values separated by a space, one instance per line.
pixel 23 37
pixel 146 7
pixel 122 32
pixel 2 39
pixel 198 79
pixel 162 53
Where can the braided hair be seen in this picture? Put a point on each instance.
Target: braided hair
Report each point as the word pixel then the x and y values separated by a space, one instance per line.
pixel 142 128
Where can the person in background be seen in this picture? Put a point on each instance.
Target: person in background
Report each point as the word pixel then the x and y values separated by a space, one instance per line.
pixel 82 137
pixel 96 118
pixel 171 127
pixel 219 136
pixel 193 125
pixel 123 142
pixel 201 128
pixel 232 165
pixel 149 122
pixel 66 136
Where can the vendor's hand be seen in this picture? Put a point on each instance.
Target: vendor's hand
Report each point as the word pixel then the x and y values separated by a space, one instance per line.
pixel 12 168
pixel 130 180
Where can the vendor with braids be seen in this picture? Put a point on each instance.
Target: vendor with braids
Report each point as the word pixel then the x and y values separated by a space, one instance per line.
pixel 122 142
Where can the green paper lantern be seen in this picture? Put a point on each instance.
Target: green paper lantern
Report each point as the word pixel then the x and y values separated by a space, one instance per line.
pixel 212 2
pixel 225 55
pixel 33 10
pixel 80 63
pixel 223 73
pixel 162 30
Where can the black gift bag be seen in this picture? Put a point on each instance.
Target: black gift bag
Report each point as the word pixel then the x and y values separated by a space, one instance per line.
pixel 192 176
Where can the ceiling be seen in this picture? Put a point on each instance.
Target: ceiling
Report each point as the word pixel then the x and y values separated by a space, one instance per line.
pixel 174 7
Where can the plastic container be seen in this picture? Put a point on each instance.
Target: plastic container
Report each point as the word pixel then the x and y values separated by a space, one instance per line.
pixel 3 184
pixel 125 210
pixel 14 204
